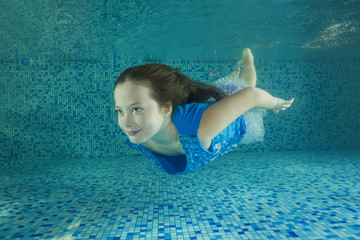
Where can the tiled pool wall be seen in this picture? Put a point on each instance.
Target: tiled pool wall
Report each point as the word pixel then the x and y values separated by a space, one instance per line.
pixel 64 109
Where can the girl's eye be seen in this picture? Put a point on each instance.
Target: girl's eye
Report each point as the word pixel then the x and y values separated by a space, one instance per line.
pixel 136 109
pixel 118 111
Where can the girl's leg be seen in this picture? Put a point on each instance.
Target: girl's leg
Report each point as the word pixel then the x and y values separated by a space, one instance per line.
pixel 248 73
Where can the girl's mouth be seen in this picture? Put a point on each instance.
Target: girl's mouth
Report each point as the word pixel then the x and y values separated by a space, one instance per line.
pixel 133 133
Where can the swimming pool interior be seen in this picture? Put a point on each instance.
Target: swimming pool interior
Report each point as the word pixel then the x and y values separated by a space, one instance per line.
pixel 66 173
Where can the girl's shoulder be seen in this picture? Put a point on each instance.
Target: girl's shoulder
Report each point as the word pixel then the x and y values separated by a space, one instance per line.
pixel 192 108
pixel 187 117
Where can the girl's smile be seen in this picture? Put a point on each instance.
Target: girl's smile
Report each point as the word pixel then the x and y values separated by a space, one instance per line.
pixel 132 133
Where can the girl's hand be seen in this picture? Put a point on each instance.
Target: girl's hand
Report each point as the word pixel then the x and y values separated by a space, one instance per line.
pixel 281 104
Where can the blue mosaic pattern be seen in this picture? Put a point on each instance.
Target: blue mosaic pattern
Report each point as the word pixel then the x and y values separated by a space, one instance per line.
pixel 283 195
pixel 65 109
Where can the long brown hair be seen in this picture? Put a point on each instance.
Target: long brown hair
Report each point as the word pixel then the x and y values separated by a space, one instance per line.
pixel 170 85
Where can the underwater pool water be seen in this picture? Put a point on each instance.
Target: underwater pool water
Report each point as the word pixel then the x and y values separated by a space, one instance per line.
pixel 179 30
pixel 65 172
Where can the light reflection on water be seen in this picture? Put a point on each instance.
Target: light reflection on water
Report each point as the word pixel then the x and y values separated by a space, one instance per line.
pixel 183 30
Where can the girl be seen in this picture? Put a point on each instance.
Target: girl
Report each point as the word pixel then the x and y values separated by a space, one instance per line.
pixel 181 124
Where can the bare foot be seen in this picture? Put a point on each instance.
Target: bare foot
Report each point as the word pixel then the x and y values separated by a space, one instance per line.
pixel 248 73
pixel 248 68
pixel 247 59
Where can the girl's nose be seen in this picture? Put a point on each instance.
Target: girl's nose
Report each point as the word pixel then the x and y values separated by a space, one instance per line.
pixel 128 121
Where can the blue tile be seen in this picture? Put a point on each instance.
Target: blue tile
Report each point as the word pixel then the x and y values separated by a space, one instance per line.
pixel 272 195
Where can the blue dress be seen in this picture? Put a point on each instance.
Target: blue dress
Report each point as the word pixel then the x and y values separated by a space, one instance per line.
pixel 187 121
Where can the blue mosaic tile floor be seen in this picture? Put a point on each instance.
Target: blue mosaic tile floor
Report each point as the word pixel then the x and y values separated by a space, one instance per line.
pixel 282 195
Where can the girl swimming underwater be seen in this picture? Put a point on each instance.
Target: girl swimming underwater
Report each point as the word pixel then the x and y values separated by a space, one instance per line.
pixel 181 124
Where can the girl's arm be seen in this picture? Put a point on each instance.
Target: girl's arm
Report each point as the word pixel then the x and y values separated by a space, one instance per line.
pixel 221 114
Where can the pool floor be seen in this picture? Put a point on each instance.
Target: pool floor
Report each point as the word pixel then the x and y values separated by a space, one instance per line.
pixel 279 195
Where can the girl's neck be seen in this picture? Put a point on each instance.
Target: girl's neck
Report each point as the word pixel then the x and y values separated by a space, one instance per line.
pixel 166 142
pixel 167 134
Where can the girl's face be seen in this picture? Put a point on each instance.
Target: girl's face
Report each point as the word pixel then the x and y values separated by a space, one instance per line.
pixel 139 115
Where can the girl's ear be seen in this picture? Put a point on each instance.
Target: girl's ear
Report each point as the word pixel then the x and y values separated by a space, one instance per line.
pixel 167 109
